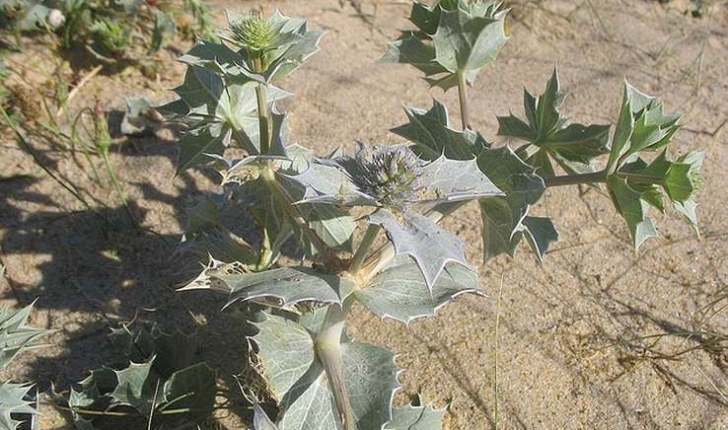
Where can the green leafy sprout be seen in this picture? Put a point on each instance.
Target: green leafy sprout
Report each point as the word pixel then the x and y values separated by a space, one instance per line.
pixel 404 265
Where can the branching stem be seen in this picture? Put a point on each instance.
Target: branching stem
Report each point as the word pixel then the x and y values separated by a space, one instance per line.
pixel 280 194
pixel 363 250
pixel 583 178
pixel 328 349
pixel 378 260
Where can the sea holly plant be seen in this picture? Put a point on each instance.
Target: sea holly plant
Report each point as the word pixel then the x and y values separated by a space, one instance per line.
pixel 162 383
pixel 298 274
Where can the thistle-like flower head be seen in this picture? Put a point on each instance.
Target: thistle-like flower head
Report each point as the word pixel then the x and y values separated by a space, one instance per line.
pixel 387 173
pixel 252 32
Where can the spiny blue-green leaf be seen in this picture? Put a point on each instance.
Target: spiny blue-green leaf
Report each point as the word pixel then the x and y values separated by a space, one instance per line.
pixel 540 233
pixel 549 134
pixel 87 400
pixel 454 37
pixel 418 236
pixel 16 335
pixel 633 208
pixel 191 389
pixel 296 380
pixel 446 180
pixel 434 136
pixel 679 179
pixel 465 42
pixel 219 110
pixel 13 402
pixel 411 50
pixel 400 292
pixel 503 217
pixel 221 60
pixel 196 146
pixel 287 286
pixel 134 388
pixel 688 210
pixel 295 55
pixel 329 184
pixel 642 126
pixel 413 417
pixel 425 17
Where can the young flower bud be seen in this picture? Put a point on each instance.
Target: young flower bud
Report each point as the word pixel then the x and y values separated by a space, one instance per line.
pixel 252 32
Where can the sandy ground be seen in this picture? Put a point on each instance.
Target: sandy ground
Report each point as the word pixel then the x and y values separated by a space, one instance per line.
pixel 592 339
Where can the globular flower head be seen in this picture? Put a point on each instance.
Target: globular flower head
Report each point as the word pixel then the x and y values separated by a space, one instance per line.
pixel 387 173
pixel 252 32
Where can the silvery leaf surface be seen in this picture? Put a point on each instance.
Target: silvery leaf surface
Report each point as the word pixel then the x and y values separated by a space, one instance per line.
pixel 631 205
pixel 429 244
pixel 636 186
pixel 466 42
pixel 328 183
pixel 412 417
pixel 401 293
pixel 296 380
pixel 642 126
pixel 287 286
pixel 410 49
pixel 505 219
pixel 434 136
pixel 13 401
pixel 134 388
pixel 334 225
pixel 219 111
pixel 16 335
pixel 197 147
pixel 540 233
pixel 306 45
pixel 446 180
pixel 217 57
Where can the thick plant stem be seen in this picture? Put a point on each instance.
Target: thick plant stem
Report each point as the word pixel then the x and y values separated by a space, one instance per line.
pixel 376 262
pixel 584 178
pixel 328 349
pixel 366 243
pixel 527 151
pixel 261 96
pixel 463 96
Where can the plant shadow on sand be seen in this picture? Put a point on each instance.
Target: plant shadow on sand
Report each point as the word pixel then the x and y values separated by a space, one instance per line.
pixel 97 269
